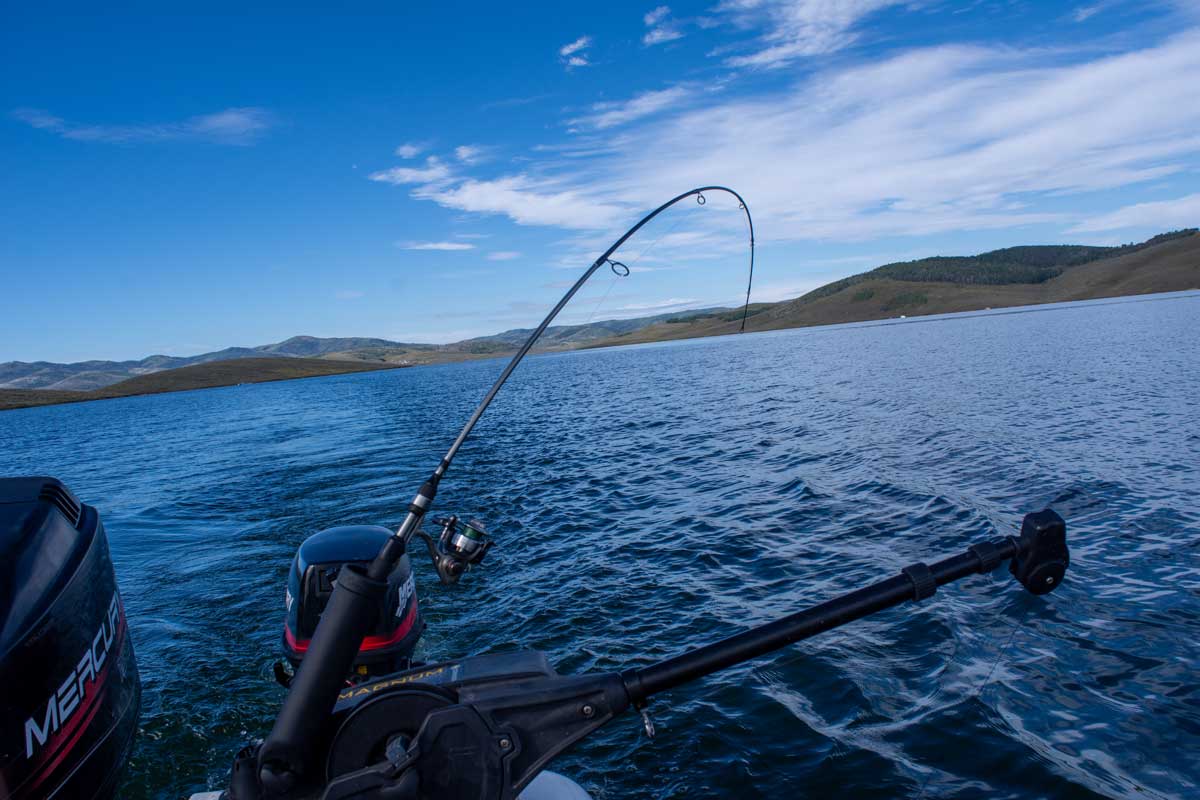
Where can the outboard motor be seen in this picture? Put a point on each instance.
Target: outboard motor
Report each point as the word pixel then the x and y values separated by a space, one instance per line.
pixel 69 687
pixel 389 645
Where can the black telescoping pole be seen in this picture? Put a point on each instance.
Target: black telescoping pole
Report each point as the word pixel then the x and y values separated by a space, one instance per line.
pixel 916 582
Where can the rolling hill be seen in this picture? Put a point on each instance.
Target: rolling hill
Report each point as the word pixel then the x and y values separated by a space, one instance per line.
pixel 1010 277
pixel 197 376
pixel 1166 263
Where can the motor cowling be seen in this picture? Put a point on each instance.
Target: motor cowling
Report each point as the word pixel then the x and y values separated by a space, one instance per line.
pixel 398 624
pixel 69 687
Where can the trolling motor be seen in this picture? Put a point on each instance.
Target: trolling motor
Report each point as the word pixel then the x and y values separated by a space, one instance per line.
pixel 398 625
pixel 389 644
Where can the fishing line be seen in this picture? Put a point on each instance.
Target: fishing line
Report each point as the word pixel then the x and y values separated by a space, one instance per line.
pixel 700 201
pixel 1012 634
pixel 627 268
pixel 611 283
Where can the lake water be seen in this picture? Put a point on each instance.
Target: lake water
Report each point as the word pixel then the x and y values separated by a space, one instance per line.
pixel 650 498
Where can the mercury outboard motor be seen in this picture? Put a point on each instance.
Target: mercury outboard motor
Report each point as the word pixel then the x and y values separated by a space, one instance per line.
pixel 69 687
pixel 389 645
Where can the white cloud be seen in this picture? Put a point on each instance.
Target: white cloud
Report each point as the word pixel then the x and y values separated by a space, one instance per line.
pixel 1182 212
pixel 448 246
pixel 409 150
pixel 656 16
pixel 470 153
pixel 662 305
pixel 582 43
pixel 42 120
pixel 932 140
pixel 434 171
pixel 232 126
pixel 798 28
pixel 776 292
pixel 574 54
pixel 525 200
pixel 662 27
pixel 503 255
pixel 609 115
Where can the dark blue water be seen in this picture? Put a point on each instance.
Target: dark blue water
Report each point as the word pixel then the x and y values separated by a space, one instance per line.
pixel 653 497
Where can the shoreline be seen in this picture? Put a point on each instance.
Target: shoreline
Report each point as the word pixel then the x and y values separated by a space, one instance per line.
pixel 282 369
pixel 10 398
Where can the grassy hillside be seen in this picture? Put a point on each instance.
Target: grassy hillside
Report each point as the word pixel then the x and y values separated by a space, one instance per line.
pixel 198 376
pixel 1030 265
pixel 1165 264
pixel 1013 276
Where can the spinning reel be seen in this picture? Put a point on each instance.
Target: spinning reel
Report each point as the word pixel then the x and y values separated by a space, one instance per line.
pixel 457 548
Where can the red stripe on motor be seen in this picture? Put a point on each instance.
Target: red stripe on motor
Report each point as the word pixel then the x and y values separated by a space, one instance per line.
pixel 83 717
pixel 369 642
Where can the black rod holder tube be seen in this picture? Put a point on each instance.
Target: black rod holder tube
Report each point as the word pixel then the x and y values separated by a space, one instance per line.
pixel 321 675
pixel 914 583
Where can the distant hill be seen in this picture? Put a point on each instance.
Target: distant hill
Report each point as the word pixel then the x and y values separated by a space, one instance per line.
pixel 1012 276
pixel 1029 264
pixel 88 375
pixel 196 376
pixel 91 375
pixel 1166 263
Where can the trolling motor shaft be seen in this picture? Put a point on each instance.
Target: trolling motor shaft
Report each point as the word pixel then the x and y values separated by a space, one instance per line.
pixel 502 731
pixel 1039 559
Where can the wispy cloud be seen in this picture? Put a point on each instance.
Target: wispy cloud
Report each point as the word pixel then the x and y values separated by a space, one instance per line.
pixel 410 149
pixel 1181 212
pixel 662 28
pixel 233 126
pixel 503 255
pixel 932 140
pixel 470 153
pixel 349 294
pixel 434 171
pixel 526 200
pixel 448 246
pixel 514 102
pixel 612 114
pixel 574 54
pixel 797 28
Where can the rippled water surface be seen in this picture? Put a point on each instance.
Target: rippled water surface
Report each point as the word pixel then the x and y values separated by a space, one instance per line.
pixel 654 497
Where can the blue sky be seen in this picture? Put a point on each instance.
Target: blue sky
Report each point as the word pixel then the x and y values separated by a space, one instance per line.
pixel 177 182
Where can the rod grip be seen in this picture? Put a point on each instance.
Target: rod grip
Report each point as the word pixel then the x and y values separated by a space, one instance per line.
pixel 348 617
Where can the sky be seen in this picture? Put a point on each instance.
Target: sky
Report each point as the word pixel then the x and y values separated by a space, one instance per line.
pixel 178 181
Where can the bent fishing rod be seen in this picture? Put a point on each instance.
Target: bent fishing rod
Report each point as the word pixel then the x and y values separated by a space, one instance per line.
pixel 483 727
pixel 348 616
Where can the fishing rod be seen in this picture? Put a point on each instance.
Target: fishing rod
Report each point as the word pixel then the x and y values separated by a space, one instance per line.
pixel 286 753
pixel 485 727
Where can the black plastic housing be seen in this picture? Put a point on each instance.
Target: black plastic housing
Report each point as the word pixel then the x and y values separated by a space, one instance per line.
pixel 397 624
pixel 1042 556
pixel 69 687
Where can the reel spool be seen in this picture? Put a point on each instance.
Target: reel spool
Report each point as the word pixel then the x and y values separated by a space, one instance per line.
pixel 457 548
